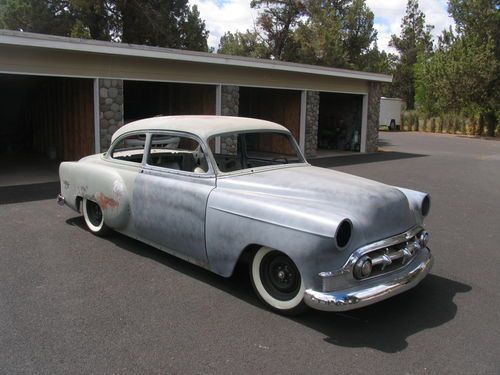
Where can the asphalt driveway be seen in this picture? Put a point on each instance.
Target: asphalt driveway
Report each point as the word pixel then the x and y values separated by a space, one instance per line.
pixel 73 303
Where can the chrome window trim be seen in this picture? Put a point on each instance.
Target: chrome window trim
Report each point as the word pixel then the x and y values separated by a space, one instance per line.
pixel 107 156
pixel 246 171
pixel 208 174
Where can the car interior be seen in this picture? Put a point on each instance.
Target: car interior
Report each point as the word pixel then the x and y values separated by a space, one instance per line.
pixel 252 150
pixel 241 151
pixel 179 153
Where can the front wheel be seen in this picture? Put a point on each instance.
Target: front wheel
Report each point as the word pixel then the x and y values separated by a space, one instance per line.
pixel 277 281
pixel 94 219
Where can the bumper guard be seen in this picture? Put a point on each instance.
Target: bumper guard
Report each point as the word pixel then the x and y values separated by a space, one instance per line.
pixel 374 290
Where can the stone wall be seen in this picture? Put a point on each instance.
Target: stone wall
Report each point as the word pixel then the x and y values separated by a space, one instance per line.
pixel 374 92
pixel 230 100
pixel 230 105
pixel 111 114
pixel 110 109
pixel 312 118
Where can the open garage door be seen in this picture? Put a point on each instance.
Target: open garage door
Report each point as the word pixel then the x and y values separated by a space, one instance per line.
pixel 49 116
pixel 280 106
pixel 149 99
pixel 43 120
pixel 340 120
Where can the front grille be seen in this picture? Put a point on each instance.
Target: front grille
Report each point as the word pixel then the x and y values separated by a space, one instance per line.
pixel 391 258
pixel 383 257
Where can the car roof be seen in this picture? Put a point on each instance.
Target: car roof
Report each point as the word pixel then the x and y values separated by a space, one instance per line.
pixel 202 126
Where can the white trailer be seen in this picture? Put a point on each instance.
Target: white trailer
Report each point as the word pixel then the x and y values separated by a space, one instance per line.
pixel 390 112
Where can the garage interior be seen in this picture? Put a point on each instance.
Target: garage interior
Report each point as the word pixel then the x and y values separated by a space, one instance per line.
pixel 280 106
pixel 43 120
pixel 148 99
pixel 339 125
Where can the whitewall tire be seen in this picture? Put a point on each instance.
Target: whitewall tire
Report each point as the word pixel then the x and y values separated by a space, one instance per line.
pixel 277 281
pixel 94 218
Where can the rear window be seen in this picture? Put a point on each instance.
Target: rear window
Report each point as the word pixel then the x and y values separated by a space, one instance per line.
pixel 130 148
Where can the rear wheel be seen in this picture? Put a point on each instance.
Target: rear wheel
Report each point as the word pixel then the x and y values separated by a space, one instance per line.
pixel 392 125
pixel 277 281
pixel 94 219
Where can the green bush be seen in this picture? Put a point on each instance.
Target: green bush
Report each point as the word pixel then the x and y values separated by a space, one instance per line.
pixel 416 122
pixel 439 121
pixel 446 124
pixel 453 125
pixel 432 127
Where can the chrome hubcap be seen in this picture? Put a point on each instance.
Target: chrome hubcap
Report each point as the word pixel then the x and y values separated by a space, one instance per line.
pixel 280 276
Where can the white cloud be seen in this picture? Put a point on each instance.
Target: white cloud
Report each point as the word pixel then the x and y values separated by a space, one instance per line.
pixel 225 15
pixel 236 15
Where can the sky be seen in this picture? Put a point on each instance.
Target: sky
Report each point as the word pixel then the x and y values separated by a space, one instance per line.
pixel 236 15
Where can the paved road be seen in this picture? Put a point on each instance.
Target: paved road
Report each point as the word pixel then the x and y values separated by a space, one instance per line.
pixel 72 303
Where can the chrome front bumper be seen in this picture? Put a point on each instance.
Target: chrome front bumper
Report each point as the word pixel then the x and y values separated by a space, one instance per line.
pixel 375 290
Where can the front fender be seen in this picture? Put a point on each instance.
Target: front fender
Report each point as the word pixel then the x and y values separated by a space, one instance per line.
pixel 235 221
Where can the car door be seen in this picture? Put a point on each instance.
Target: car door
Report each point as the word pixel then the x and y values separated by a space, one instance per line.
pixel 170 195
pixel 125 162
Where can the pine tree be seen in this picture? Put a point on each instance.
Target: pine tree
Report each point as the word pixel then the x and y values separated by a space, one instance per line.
pixel 415 39
pixel 242 44
pixel 165 23
pixel 276 22
pixel 337 33
pixel 463 75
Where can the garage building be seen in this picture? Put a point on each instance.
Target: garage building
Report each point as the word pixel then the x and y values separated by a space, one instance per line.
pixel 63 97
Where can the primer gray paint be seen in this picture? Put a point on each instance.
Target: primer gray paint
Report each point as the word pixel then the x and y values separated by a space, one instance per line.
pixel 211 219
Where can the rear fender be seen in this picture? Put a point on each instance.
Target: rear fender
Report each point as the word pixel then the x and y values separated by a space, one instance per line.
pixel 100 184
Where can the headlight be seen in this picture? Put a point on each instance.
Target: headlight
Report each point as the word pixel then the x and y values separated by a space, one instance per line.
pixel 425 206
pixel 344 232
pixel 419 202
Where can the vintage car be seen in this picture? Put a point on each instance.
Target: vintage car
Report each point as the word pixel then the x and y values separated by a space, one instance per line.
pixel 219 190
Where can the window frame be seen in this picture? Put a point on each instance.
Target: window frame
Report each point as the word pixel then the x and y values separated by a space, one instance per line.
pixel 109 154
pixel 292 139
pixel 208 174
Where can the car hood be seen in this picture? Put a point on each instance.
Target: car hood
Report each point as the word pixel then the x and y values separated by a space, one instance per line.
pixel 375 209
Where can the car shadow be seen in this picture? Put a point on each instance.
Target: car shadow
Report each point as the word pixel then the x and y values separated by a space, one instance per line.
pixel 338 161
pixel 238 284
pixel 29 192
pixel 384 326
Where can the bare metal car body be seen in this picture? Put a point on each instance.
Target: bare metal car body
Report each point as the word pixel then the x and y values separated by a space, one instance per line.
pixel 212 218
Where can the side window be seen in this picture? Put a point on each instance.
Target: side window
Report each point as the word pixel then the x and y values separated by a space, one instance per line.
pixel 268 145
pixel 226 150
pixel 130 148
pixel 177 152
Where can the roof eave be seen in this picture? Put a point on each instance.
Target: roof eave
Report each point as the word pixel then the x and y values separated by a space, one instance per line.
pixel 10 37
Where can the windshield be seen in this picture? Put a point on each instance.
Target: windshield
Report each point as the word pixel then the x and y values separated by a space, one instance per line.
pixel 248 150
